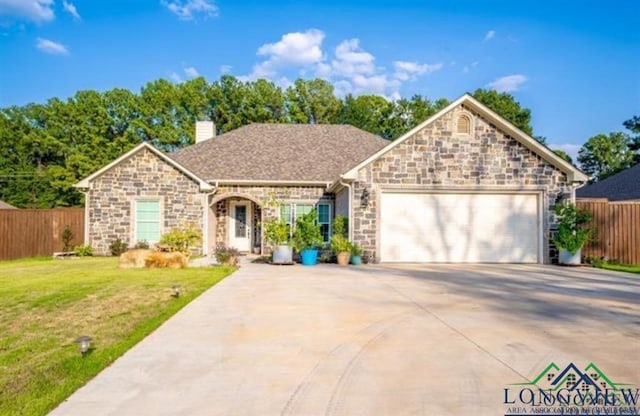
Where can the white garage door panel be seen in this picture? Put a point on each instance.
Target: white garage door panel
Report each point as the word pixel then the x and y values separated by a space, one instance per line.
pixel 459 228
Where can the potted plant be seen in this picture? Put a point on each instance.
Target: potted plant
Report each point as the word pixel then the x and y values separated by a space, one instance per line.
pixel 341 246
pixel 308 237
pixel 356 254
pixel 276 232
pixel 572 233
pixel 340 243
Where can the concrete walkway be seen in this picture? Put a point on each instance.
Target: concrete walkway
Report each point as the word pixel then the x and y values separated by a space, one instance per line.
pixel 374 340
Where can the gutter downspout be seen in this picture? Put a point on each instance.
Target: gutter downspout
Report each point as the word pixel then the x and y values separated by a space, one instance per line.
pixel 85 236
pixel 205 220
pixel 574 189
pixel 349 204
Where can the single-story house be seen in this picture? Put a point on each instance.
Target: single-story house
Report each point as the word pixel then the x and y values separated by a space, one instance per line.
pixel 623 186
pixel 463 186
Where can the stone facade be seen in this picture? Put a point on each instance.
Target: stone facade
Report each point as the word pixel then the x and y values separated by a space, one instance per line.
pixel 266 202
pixel 437 158
pixel 112 196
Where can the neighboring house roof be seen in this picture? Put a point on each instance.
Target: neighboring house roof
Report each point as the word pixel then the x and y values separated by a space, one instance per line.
pixel 204 186
pixel 573 173
pixel 622 186
pixel 280 153
pixel 4 205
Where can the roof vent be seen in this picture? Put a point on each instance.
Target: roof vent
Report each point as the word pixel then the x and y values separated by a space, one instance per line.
pixel 205 130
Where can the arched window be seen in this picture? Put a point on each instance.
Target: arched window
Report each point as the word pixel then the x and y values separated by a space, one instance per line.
pixel 464 125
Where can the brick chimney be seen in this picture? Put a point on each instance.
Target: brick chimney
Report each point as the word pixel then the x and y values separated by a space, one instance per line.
pixel 205 130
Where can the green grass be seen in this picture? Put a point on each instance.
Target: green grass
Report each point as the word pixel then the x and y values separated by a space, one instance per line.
pixel 45 304
pixel 620 267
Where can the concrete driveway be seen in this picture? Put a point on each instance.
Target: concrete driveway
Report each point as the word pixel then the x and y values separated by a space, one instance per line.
pixel 387 340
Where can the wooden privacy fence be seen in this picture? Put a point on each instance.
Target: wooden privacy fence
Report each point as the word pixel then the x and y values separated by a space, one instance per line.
pixel 38 232
pixel 617 230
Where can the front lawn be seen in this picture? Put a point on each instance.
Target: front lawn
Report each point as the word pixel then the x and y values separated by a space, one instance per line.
pixel 46 304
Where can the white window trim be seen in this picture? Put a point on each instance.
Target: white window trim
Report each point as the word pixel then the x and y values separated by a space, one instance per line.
pixel 134 219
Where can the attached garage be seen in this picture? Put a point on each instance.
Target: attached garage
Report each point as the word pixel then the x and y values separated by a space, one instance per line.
pixel 460 227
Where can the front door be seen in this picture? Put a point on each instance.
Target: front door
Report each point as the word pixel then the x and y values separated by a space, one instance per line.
pixel 240 225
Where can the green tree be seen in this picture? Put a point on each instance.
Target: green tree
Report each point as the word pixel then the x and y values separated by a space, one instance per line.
pixel 228 102
pixel 506 105
pixel 367 112
pixel 265 102
pixel 563 155
pixel 604 155
pixel 312 102
pixel 633 125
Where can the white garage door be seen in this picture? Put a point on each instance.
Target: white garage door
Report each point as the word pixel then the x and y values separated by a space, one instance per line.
pixel 459 228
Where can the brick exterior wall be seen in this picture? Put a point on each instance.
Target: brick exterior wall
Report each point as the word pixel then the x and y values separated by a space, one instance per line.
pixel 266 203
pixel 436 158
pixel 143 176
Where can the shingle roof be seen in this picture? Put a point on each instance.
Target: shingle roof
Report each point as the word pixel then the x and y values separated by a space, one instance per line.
pixel 622 186
pixel 280 152
pixel 4 205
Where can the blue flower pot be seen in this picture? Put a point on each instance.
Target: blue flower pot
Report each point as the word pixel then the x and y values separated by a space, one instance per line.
pixel 309 257
pixel 356 260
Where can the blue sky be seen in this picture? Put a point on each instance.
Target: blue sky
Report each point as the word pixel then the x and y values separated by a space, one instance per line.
pixel 575 64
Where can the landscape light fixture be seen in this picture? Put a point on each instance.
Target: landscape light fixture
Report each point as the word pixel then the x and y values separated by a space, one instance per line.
pixel 364 198
pixel 84 341
pixel 176 291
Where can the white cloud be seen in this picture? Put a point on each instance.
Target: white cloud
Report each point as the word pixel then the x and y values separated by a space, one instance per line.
pixel 350 68
pixel 353 71
pixel 49 46
pixel 352 60
pixel 190 9
pixel 490 35
pixel 570 148
pixel 34 10
pixel 410 70
pixel 191 72
pixel 510 83
pixel 296 49
pixel 225 69
pixel 71 9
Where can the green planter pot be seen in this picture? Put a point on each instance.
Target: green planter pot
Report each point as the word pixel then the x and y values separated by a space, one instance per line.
pixel 356 260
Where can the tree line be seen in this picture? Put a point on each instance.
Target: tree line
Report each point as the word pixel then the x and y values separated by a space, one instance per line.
pixel 46 148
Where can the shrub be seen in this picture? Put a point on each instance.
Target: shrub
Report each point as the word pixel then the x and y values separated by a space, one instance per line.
pixel 118 247
pixel 340 244
pixel 307 234
pixel 67 236
pixel 276 231
pixel 142 244
pixel 340 225
pixel 227 256
pixel 182 239
pixel 83 251
pixel 356 249
pixel 156 259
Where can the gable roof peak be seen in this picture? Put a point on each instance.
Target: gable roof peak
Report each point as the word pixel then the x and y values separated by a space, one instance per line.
pixel 573 173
